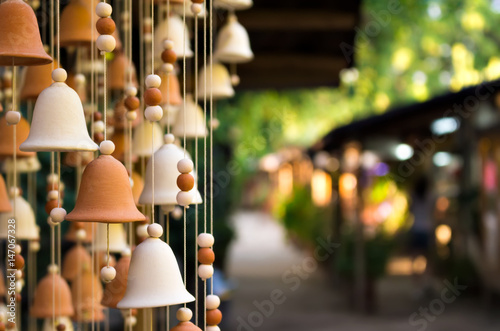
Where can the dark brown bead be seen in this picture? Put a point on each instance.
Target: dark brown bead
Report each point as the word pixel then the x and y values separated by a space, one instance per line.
pixel 206 256
pixel 214 317
pixel 19 261
pixel 99 137
pixel 152 96
pixel 185 182
pixel 169 56
pixel 197 1
pixel 97 116
pixel 61 327
pixel 7 83
pixel 105 25
pixel 51 204
pixel 132 103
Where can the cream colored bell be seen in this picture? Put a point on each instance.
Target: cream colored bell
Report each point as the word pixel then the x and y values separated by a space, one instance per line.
pixel 58 120
pixel 233 43
pixel 193 121
pixel 221 86
pixel 233 4
pixel 23 165
pixel 154 279
pixel 117 238
pixel 26 228
pixel 142 138
pixel 50 325
pixel 173 29
pixel 166 173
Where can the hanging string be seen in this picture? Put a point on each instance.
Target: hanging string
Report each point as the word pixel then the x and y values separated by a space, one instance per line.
pixel 205 181
pixel 167 239
pixel 59 225
pixel 152 37
pixel 184 41
pixel 196 157
pixel 52 31
pixel 152 174
pixel 211 132
pixel 105 95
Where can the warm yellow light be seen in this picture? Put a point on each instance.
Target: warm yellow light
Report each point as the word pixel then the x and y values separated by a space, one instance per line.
pixel 443 234
pixel 347 185
pixel 285 179
pixel 442 204
pixel 321 187
pixel 419 264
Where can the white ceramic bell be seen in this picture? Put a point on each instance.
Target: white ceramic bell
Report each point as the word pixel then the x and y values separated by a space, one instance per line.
pixel 143 138
pixel 193 121
pixel 23 165
pixel 58 120
pixel 26 228
pixel 233 4
pixel 166 173
pixel 173 29
pixel 233 43
pixel 169 114
pixel 117 237
pixel 221 86
pixel 154 279
pixel 50 325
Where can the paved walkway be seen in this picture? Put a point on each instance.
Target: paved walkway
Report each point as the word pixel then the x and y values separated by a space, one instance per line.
pixel 264 301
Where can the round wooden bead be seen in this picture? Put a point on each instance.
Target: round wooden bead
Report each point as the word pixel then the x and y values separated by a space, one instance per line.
pixel 59 75
pixel 185 182
pixel 132 103
pixel 12 117
pixel 51 204
pixel 53 195
pixel 197 1
pixel 107 147
pixel 196 8
pixel 18 261
pixel 80 79
pixel 155 230
pixel 212 328
pixel 53 269
pixel 205 240
pixel 153 81
pixel 168 44
pixel 213 301
pixel 108 274
pixel 152 96
pixel 131 91
pixel 206 255
pixel 98 126
pixel 169 138
pixel 167 67
pixel 130 321
pixel 106 43
pixel 58 215
pixel 105 25
pixel 184 314
pixel 35 246
pixel 131 115
pixel 184 198
pixel 98 137
pixel 96 116
pixel 12 325
pixel 153 113
pixel 81 235
pixel 61 327
pixel 169 56
pixel 103 9
pixel 214 317
pixel 17 249
pixel 185 166
pixel 142 230
pixel 205 271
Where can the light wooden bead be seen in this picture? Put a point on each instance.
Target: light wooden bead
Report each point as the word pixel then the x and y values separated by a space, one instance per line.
pixel 235 80
pixel 131 115
pixel 106 43
pixel 184 314
pixel 153 113
pixel 142 231
pixel 169 56
pixel 212 328
pixel 105 25
pixel 205 271
pixel 184 199
pixel 52 269
pixel 18 261
pixel 213 301
pixel 177 213
pixel 80 79
pixel 152 96
pixel 51 204
pixel 153 81
pixel 103 9
pixel 81 234
pixel 185 182
pixel 169 138
pixel 155 230
pixel 168 44
pixel 59 75
pixel 131 91
pixel 53 195
pixel 167 67
pixel 17 249
pixel 196 8
pixel 98 126
pixel 57 215
pixel 185 166
pixel 35 246
pixel 206 256
pixel 205 240
pixel 130 321
pixel 107 147
pixel 132 103
pixel 214 317
pixel 108 274
pixel 15 191
pixel 19 274
pixel 12 117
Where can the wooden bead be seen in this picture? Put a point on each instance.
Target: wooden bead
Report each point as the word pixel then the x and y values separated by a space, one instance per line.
pixel 132 103
pixel 185 182
pixel 12 325
pixel 153 113
pixel 97 116
pixel 61 327
pixel 152 96
pixel 105 25
pixel 19 261
pixel 51 204
pixel 169 56
pixel 106 43
pixel 2 326
pixel 197 1
pixel 214 317
pixel 206 256
pixel 103 9
pixel 99 137
pixel 185 166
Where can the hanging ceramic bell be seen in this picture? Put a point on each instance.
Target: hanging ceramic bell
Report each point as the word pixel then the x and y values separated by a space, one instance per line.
pixel 35 80
pixel 173 29
pixel 115 290
pixel 74 227
pixel 76 24
pixel 233 4
pixel 137 187
pixel 51 325
pixel 83 300
pixel 120 140
pixel 192 124
pixel 23 165
pixel 220 87
pixel 4 198
pixel 105 195
pixel 80 88
pixel 117 238
pixel 20 43
pixel 58 120
pixel 6 138
pixel 154 279
pixel 51 284
pixel 26 228
pixel 118 72
pixel 166 174
pixel 185 326
pixel 233 43
pixel 75 261
pixel 170 84
pixel 142 138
